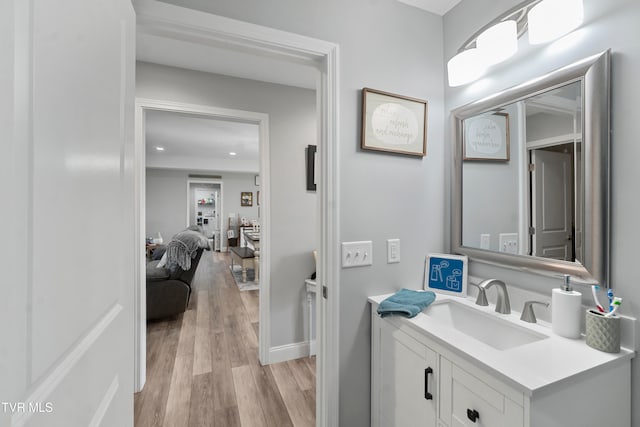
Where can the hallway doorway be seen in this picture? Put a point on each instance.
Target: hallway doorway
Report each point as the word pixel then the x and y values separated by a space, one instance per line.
pixel 295 50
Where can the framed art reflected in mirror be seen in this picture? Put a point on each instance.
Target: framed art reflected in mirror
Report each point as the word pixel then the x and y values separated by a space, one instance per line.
pixel 486 137
pixel 546 209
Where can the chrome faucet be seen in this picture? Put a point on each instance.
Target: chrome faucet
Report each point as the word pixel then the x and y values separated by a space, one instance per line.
pixel 502 305
pixel 527 312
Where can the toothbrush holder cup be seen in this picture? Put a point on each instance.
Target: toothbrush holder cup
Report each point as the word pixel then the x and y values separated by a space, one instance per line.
pixel 603 333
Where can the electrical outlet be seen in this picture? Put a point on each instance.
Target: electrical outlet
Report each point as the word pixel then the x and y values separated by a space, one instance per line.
pixel 393 251
pixel 485 241
pixel 508 243
pixel 357 254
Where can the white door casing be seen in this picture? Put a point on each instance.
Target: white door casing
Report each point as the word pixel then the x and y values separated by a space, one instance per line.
pixel 260 119
pixel 215 222
pixel 167 20
pixel 67 184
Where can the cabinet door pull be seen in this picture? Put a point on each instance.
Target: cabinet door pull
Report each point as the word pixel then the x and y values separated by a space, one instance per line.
pixel 473 415
pixel 427 372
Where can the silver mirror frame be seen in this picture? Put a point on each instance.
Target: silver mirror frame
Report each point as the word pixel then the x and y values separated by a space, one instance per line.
pixel 594 74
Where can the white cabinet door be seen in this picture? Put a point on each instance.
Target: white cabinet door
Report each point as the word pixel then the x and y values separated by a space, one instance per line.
pixel 66 185
pixel 407 380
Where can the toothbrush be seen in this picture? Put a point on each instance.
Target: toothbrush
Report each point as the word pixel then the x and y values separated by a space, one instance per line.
pixel 616 304
pixel 610 296
pixel 594 292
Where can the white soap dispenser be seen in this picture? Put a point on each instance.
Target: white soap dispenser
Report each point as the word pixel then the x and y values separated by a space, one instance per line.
pixel 566 310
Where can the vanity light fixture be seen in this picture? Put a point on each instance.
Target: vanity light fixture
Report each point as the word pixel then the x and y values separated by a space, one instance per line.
pixel 466 67
pixel 497 41
pixel 495 44
pixel 159 148
pixel 551 19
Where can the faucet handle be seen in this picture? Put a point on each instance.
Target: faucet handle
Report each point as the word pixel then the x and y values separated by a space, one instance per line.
pixel 482 295
pixel 527 312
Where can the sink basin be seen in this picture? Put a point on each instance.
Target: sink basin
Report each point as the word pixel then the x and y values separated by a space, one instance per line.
pixel 485 327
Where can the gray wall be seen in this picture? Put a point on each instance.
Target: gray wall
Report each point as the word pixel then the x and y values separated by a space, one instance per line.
pixel 546 125
pixel 166 199
pixel 166 202
pixel 489 184
pixel 397 48
pixel 611 24
pixel 292 126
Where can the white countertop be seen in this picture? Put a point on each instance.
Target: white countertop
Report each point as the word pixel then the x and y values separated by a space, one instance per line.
pixel 529 367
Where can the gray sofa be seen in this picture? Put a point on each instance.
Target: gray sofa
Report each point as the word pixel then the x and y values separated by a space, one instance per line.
pixel 169 287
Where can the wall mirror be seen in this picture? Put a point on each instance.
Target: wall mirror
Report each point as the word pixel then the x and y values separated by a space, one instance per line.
pixel 530 185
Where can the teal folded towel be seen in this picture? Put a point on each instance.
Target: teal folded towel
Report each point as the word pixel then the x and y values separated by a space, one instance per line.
pixel 406 302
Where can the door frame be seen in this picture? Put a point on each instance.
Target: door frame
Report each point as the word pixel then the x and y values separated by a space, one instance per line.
pixel 220 206
pixel 171 21
pixel 260 119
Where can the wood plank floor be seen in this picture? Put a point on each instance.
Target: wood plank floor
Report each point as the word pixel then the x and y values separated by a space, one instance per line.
pixel 203 368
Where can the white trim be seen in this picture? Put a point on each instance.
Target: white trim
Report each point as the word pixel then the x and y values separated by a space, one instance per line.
pixel 553 140
pixel 45 389
pixel 101 411
pixel 166 20
pixel 220 206
pixel 140 257
pixel 162 19
pixel 328 269
pixel 523 181
pixel 262 120
pixel 264 325
pixel 282 353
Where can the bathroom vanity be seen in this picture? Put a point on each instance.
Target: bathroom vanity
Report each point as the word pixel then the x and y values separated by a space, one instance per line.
pixel 461 364
pixel 458 364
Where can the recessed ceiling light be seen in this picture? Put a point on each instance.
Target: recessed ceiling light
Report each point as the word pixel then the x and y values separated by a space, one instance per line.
pixel 233 153
pixel 160 148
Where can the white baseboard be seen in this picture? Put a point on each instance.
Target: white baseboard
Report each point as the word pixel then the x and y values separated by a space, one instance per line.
pixel 293 351
pixel 312 348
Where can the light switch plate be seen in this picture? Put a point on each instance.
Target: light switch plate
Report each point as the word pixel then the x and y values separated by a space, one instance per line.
pixel 357 254
pixel 393 251
pixel 485 241
pixel 508 243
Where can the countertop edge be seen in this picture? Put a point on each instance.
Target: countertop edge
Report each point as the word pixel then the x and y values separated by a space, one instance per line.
pixel 542 384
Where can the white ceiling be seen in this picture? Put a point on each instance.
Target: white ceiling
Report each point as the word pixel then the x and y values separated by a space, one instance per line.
pixel 439 7
pixel 198 142
pixel 563 100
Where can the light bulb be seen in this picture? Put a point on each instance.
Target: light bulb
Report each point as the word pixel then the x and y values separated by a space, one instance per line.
pixel 551 19
pixel 466 67
pixel 499 42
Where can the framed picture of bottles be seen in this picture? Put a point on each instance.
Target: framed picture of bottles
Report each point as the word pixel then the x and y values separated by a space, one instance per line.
pixel 447 274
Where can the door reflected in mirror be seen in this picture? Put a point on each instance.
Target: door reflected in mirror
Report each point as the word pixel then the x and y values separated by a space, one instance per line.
pixel 534 194
pixel 523 181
